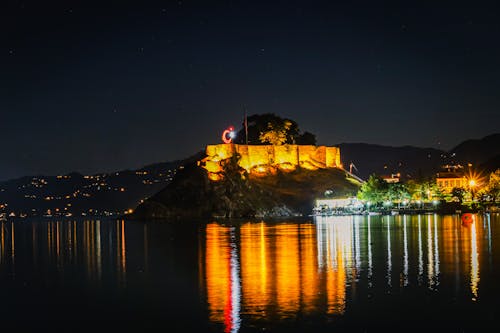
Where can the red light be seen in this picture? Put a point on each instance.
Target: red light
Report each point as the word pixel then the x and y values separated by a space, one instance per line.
pixel 227 136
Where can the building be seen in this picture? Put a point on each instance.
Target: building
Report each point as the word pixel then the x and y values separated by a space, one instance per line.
pixel 392 178
pixel 452 176
pixel 332 206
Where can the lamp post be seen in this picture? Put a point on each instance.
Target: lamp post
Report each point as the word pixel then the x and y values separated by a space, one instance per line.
pixel 472 185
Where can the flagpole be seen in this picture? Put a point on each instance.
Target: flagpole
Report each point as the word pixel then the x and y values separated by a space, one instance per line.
pixel 246 125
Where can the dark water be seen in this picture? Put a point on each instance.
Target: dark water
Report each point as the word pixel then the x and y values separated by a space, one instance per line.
pixel 339 274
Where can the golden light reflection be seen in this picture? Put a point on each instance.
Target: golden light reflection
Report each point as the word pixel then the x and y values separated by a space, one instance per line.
pixel 334 252
pixel 474 261
pixel 420 251
pixel 121 253
pixel 450 240
pixel 8 246
pixel 222 277
pixel 370 254
pixel 217 270
pixel 256 276
pixel 13 249
pixel 287 265
pixel 64 245
pixel 310 285
pixel 280 269
pixel 285 273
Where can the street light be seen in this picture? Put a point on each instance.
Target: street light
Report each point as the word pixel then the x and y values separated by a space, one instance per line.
pixel 472 184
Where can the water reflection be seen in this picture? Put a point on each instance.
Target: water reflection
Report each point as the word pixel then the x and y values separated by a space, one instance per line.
pixel 431 262
pixel 275 271
pixel 420 252
pixel 285 269
pixel 63 245
pixel 256 274
pixel 222 265
pixel 370 256
pixel 337 265
pixel 405 256
pixel 389 254
pixel 8 246
pixel 474 261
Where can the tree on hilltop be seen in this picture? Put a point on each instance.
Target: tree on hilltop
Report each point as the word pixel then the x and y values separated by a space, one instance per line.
pixel 276 134
pixel 269 128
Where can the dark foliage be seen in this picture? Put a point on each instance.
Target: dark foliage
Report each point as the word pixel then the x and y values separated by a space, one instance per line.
pixel 259 123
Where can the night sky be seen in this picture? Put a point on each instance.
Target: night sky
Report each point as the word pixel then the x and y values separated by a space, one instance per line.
pixel 101 86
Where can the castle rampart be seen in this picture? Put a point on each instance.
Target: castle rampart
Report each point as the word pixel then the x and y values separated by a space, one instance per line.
pixel 262 158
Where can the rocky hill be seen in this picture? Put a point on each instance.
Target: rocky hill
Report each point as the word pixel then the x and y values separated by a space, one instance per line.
pixel 191 194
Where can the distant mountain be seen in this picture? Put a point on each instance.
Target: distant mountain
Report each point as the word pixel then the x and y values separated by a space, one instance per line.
pixel 410 162
pixel 75 194
pixel 490 165
pixel 415 162
pixel 478 151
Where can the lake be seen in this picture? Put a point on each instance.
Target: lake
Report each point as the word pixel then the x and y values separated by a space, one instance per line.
pixel 321 274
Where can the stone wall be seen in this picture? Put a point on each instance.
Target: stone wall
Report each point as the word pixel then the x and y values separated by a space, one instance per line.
pixel 263 158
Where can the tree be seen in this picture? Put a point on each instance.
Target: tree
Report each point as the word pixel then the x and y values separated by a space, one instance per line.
pixel 458 193
pixel 397 193
pixel 374 190
pixel 492 190
pixel 307 138
pixel 269 128
pixel 275 135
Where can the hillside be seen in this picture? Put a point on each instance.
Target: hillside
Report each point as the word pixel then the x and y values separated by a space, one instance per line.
pixel 416 162
pixel 490 165
pixel 410 162
pixel 480 151
pixel 192 194
pixel 75 194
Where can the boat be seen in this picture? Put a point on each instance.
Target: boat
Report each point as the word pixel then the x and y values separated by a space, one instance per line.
pixel 374 213
pixel 467 219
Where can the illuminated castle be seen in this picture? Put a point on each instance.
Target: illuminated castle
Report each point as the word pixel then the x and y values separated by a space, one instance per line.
pixel 264 159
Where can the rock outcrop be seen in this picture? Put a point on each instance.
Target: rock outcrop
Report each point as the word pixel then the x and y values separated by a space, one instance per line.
pixel 191 194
